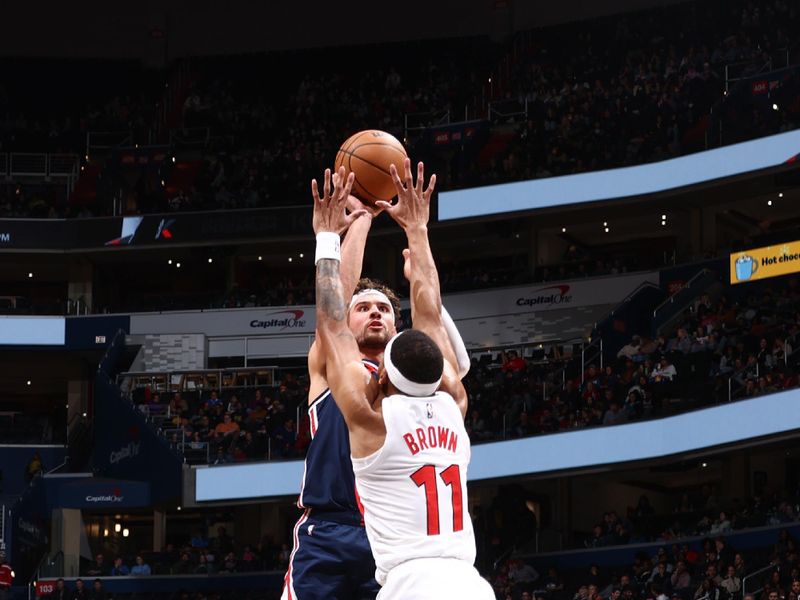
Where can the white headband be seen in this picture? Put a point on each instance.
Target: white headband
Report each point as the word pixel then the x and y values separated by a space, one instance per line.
pixel 369 292
pixel 401 382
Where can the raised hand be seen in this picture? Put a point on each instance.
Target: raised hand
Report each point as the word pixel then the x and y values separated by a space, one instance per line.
pixel 329 210
pixel 413 206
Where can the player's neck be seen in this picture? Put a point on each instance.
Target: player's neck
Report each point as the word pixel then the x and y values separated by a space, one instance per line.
pixel 373 354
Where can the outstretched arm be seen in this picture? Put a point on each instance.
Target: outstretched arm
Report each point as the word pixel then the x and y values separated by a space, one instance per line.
pixel 349 381
pixel 350 272
pixel 412 212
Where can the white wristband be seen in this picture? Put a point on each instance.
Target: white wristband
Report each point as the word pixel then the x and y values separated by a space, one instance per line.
pixel 328 246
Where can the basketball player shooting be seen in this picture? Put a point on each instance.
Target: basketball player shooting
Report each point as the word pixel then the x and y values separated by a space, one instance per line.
pixel 409 448
pixel 331 556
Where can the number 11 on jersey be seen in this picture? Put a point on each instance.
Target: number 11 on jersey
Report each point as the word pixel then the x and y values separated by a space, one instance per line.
pixel 451 476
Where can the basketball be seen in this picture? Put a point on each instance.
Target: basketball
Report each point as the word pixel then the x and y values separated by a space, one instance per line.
pixel 368 154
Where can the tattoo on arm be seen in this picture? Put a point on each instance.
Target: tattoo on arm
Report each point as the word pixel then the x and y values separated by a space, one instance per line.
pixel 330 300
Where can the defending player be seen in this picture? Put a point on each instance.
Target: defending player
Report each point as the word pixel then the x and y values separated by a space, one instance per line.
pixel 409 447
pixel 331 556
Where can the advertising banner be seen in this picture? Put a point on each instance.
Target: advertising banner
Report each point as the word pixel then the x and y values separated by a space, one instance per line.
pixel 765 262
pixel 102 493
pixel 521 301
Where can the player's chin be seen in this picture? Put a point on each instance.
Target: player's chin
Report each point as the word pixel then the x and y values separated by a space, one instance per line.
pixel 375 339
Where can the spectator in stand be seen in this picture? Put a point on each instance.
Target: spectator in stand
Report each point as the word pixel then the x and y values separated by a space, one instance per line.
pixel 614 415
pixel 631 349
pixel 60 592
pixel 99 568
pixel 521 573
pixel 213 400
pixel 661 577
pixel 119 568
pixel 731 584
pixel 141 567
pixel 98 593
pixel 183 566
pixel 794 590
pixel 80 592
pixel 204 567
pixel 665 372
pixel 224 431
pixel 721 525
pixel 681 579
pixel 513 363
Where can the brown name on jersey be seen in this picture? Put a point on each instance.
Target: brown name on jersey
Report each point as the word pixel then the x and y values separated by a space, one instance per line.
pixel 431 437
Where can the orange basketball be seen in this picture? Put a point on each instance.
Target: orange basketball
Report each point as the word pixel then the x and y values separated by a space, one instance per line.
pixel 368 154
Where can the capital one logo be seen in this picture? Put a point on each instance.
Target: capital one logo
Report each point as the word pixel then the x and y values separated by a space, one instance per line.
pixel 546 296
pixel 114 496
pixel 128 451
pixel 285 319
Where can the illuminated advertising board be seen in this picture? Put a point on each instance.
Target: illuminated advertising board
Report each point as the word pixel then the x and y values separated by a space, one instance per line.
pixel 765 262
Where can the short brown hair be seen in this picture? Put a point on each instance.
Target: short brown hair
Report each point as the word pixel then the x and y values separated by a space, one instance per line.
pixel 365 283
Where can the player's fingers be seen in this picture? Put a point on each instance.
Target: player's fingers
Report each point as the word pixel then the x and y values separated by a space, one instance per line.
pixel 348 185
pixel 431 186
pixel 398 185
pixel 420 176
pixel 387 206
pixel 408 176
pixel 326 187
pixel 315 190
pixel 406 254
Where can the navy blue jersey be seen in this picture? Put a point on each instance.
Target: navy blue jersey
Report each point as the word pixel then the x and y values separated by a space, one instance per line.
pixel 328 481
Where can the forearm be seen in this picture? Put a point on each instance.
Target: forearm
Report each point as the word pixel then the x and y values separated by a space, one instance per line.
pixel 426 298
pixel 331 308
pixel 353 254
pixel 424 278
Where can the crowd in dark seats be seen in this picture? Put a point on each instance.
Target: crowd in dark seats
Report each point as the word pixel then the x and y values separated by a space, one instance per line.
pixel 696 514
pixel 241 425
pixel 626 93
pixel 201 555
pixel 720 350
pixel 304 128
pixel 712 569
pixel 750 342
pixel 629 93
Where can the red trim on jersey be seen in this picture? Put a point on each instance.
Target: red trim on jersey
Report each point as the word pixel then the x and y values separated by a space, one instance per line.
pixel 312 418
pixel 287 580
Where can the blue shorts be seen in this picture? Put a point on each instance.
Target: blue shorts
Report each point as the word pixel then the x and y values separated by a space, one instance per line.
pixel 330 561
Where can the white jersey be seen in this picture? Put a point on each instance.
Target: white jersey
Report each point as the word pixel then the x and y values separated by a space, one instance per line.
pixel 414 489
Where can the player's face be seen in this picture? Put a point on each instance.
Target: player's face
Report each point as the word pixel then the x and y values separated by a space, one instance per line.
pixel 371 320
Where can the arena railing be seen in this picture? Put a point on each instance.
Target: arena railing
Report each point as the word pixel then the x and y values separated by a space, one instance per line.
pixel 416 122
pixel 200 380
pixel 101 143
pixel 756 573
pixel 40 166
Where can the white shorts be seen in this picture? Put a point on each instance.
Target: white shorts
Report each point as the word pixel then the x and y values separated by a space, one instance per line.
pixel 435 579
